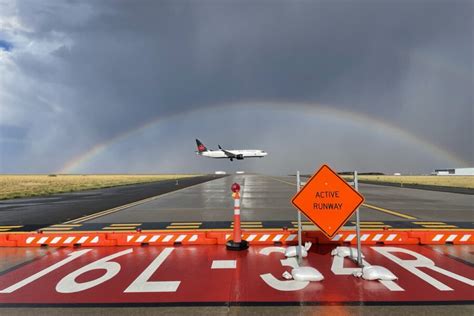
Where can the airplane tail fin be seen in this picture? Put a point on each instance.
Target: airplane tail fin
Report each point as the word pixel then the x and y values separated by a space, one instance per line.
pixel 200 146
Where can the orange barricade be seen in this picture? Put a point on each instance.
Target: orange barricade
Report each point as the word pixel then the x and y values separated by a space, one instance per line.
pixel 441 237
pixel 6 242
pixel 61 239
pixel 256 237
pixel 161 238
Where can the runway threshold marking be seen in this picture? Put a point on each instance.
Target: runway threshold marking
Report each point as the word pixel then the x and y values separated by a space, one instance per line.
pixel 377 208
pixel 125 206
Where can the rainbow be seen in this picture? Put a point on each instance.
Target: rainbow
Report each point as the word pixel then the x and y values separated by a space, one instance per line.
pixel 75 163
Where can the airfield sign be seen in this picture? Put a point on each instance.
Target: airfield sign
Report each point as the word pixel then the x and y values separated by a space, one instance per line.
pixel 327 200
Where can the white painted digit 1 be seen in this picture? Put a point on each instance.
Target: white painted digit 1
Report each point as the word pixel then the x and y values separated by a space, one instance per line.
pixel 68 284
pixel 36 276
pixel 288 285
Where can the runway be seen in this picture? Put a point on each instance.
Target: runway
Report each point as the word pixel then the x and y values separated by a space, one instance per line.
pixel 266 199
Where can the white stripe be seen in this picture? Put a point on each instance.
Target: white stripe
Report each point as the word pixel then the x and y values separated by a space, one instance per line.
pixel 69 240
pixel 168 238
pixel 237 203
pixel 291 237
pixel 465 237
pixel 95 240
pixel 438 237
pixel 55 240
pixel 82 240
pixel 451 238
pixel 180 238
pixel 29 240
pixel 391 237
pixel 141 238
pixel 364 237
pixel 392 286
pixel 377 237
pixel 264 238
pixel 224 264
pixel 237 211
pixel 154 238
pixel 277 237
pixel 350 237
pixel 251 237
pixel 129 237
pixel 193 238
pixel 227 236
pixel 42 240
pixel 337 237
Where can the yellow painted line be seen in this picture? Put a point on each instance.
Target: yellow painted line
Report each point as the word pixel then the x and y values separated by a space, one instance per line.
pixel 57 228
pixel 66 225
pixel 283 181
pixel 429 223
pixel 177 223
pixel 120 228
pixel 189 226
pixel 4 229
pixel 362 223
pixel 440 226
pixel 124 224
pixel 125 206
pixel 388 211
pixel 302 223
pixel 10 227
pixel 247 223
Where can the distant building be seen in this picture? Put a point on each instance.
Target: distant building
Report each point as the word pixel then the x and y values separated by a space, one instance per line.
pixel 454 172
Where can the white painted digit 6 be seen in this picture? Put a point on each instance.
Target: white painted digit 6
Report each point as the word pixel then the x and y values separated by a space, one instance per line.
pixel 68 284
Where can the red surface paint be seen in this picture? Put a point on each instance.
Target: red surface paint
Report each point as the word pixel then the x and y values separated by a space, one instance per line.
pixel 191 265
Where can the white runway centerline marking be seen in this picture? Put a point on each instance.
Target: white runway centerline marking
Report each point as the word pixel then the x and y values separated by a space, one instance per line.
pixel 224 264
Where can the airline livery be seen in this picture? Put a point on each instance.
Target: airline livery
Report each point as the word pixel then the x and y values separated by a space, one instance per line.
pixel 231 154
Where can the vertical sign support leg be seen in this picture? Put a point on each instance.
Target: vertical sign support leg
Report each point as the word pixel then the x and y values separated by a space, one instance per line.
pixel 359 253
pixel 298 249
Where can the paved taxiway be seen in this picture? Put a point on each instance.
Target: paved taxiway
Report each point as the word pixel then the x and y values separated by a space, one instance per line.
pixel 66 206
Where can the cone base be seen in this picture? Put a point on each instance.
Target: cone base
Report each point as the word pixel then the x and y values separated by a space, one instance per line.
pixel 236 246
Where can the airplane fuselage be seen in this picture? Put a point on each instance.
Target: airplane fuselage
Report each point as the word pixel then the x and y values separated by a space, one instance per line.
pixel 239 154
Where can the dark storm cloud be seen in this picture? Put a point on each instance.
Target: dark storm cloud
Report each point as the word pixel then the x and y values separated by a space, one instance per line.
pixel 85 71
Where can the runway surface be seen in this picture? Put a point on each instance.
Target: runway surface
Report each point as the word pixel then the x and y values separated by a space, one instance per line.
pixel 198 203
pixel 268 198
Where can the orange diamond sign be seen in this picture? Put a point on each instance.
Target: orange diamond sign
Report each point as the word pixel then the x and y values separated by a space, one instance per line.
pixel 327 200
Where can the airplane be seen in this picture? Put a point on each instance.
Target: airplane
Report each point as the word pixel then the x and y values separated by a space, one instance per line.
pixel 230 154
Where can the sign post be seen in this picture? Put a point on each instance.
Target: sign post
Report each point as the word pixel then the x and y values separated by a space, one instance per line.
pixel 359 251
pixel 298 249
pixel 327 200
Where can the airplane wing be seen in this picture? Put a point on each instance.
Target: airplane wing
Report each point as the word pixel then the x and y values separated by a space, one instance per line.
pixel 227 153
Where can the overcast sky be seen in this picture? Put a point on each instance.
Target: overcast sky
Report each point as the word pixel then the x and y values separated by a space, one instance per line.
pixel 367 85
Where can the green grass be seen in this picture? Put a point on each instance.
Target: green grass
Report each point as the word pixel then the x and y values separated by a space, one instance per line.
pixel 20 186
pixel 466 182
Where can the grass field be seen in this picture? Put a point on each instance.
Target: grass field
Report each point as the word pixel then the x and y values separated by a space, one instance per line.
pixel 17 186
pixel 445 181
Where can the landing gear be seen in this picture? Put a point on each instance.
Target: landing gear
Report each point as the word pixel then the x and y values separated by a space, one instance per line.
pixel 231 159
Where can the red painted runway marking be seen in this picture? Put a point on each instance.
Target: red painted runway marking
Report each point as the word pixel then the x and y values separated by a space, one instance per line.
pixel 186 274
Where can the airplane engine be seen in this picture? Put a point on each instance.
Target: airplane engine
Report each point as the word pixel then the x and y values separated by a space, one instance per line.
pixel 239 157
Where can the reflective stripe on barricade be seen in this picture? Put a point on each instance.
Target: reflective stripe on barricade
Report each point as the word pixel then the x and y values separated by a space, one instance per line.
pixel 257 237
